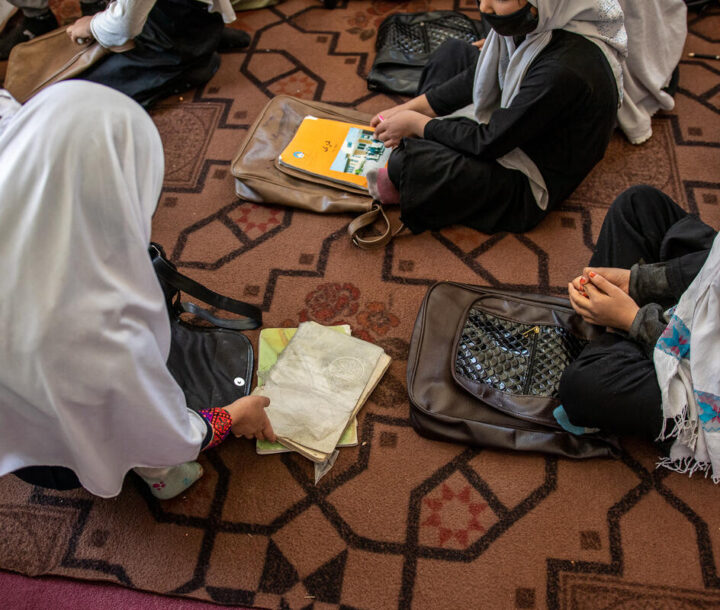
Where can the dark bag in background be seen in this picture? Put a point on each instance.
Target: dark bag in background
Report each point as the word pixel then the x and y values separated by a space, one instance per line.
pixel 213 365
pixel 484 368
pixel 405 41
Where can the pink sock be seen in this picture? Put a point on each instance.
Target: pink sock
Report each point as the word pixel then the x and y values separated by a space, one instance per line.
pixel 389 195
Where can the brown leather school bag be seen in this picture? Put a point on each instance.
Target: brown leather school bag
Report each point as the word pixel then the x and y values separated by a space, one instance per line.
pixel 260 179
pixel 51 58
pixel 484 366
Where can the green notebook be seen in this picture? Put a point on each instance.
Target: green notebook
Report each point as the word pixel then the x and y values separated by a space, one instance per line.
pixel 272 341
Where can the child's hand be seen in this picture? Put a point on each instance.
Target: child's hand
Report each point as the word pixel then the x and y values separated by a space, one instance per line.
pixel 614 275
pixel 603 303
pixel 418 104
pixel 579 284
pixel 405 124
pixel 79 31
pixel 249 418
pixel 386 114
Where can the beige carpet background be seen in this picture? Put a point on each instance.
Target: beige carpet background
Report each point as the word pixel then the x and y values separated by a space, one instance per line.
pixel 400 521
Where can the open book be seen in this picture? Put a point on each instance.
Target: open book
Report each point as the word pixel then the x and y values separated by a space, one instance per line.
pixel 335 150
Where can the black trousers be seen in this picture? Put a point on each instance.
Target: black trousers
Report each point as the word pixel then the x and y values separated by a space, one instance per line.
pixel 51 477
pixel 440 186
pixel 613 385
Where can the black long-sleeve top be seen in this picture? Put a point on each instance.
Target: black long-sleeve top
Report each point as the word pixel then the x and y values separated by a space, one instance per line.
pixel 562 116
pixel 657 286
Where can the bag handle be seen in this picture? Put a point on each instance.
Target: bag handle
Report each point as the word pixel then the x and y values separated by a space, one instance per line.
pixel 167 272
pixel 365 220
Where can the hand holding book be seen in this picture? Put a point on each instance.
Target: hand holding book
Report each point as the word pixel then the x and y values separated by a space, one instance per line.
pixel 405 124
pixel 250 419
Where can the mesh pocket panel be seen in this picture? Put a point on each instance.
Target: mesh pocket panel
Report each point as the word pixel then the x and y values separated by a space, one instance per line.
pixel 555 349
pixel 424 37
pixel 513 357
pixel 409 39
pixel 454 26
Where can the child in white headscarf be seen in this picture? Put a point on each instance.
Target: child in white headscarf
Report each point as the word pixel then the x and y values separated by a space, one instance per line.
pixel 654 280
pixel 85 393
pixel 176 44
pixel 543 96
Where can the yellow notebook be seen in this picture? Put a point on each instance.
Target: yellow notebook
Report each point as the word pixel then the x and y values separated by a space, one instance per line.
pixel 336 150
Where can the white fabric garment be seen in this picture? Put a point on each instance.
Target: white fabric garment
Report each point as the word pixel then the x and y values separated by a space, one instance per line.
pixel 656 35
pixel 122 20
pixel 85 331
pixel 8 108
pixel 502 65
pixel 687 364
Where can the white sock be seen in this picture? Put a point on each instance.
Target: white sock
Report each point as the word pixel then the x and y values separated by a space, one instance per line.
pixel 166 483
pixel 371 176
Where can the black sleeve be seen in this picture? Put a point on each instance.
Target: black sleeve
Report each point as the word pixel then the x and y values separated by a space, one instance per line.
pixel 649 283
pixel 208 434
pixel 648 325
pixel 682 271
pixel 453 94
pixel 665 282
pixel 544 95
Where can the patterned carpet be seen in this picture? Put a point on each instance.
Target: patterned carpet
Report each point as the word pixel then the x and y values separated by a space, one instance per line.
pixel 400 521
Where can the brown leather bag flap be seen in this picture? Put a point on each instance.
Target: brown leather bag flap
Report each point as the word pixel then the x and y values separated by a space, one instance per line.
pixel 48 59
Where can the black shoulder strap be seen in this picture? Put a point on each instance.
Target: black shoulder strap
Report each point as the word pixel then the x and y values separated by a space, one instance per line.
pixel 167 272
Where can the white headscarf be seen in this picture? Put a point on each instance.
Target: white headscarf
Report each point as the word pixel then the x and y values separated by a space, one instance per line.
pixel 85 331
pixel 687 363
pixel 502 65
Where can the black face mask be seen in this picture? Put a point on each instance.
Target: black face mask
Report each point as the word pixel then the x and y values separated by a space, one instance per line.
pixel 519 23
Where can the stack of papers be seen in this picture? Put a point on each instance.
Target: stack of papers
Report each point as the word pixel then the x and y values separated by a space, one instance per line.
pixel 273 341
pixel 317 378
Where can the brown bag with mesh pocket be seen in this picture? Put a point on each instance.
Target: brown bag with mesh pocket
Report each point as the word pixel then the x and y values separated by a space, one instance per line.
pixel 259 177
pixel 484 368
pixel 51 58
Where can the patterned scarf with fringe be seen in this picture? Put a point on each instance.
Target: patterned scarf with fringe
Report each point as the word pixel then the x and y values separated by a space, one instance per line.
pixel 687 363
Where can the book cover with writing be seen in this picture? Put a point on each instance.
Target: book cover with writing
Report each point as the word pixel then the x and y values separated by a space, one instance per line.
pixel 339 151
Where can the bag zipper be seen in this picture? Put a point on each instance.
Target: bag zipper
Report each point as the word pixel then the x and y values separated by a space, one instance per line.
pixel 533 349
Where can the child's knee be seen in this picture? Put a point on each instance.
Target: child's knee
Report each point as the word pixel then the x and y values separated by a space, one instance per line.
pixel 634 203
pixel 452 49
pixel 579 391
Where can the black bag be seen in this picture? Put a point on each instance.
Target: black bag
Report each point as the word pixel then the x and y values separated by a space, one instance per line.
pixel 212 365
pixel 484 368
pixel 405 41
pixel 698 5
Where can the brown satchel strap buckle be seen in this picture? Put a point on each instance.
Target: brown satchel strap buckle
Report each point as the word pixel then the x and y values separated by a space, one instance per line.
pixel 376 213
